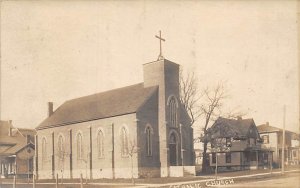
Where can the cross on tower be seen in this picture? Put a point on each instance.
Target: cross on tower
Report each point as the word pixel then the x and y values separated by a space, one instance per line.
pixel 160 57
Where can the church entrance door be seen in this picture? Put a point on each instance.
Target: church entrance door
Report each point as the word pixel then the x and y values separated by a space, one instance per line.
pixel 173 149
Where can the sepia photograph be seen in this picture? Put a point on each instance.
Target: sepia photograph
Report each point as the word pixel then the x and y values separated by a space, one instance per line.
pixel 141 93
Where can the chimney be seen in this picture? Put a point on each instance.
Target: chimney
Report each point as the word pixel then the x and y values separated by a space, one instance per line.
pixel 50 108
pixel 10 128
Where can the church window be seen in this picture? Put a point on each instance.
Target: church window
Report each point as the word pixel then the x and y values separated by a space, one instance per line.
pixel 173 111
pixel 149 141
pixel 60 147
pixel 100 145
pixel 124 139
pixel 44 149
pixel 79 146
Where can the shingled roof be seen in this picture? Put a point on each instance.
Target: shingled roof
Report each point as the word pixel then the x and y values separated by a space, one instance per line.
pixel 10 144
pixel 111 103
pixel 232 127
pixel 267 128
pixel 16 148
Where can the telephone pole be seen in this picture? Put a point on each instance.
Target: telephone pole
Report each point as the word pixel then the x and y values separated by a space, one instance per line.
pixel 283 142
pixel 0 67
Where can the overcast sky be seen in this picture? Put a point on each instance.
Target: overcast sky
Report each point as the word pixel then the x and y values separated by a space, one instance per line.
pixel 56 51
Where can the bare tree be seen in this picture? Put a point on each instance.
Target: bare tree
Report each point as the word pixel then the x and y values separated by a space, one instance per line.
pixel 190 96
pixel 205 103
pixel 132 150
pixel 211 108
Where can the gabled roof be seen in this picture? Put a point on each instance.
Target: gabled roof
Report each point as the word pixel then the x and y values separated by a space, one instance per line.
pixel 111 103
pixel 266 128
pixel 16 141
pixel 17 148
pixel 232 127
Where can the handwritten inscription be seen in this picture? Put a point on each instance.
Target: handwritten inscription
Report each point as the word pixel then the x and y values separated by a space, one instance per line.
pixel 211 183
pixel 191 185
pixel 219 182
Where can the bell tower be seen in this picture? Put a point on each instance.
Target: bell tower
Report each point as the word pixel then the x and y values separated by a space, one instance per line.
pixel 164 74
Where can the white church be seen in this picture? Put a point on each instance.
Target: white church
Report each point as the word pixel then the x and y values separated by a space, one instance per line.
pixel 140 130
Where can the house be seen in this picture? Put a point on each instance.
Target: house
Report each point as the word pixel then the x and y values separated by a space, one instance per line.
pixel 140 130
pixel 235 144
pixel 16 150
pixel 272 138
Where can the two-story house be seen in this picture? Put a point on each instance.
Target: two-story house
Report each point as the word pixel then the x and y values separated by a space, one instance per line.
pixel 272 138
pixel 235 144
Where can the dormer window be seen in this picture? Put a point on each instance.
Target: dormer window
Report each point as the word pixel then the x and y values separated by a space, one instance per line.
pixel 173 114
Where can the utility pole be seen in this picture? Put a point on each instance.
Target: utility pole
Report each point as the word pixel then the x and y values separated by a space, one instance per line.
pixel 216 170
pixel 283 142
pixel 113 150
pixel 0 68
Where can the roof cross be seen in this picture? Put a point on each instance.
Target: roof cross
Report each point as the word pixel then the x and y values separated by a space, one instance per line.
pixel 160 57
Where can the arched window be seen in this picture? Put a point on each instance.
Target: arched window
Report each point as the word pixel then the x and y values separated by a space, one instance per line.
pixel 44 150
pixel 173 111
pixel 173 139
pixel 149 141
pixel 60 147
pixel 79 146
pixel 100 145
pixel 124 139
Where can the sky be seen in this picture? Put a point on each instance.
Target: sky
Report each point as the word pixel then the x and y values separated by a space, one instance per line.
pixel 60 50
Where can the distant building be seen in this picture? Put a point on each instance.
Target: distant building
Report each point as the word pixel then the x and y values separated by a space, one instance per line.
pixel 272 138
pixel 16 150
pixel 237 144
pixel 141 128
pixel 198 157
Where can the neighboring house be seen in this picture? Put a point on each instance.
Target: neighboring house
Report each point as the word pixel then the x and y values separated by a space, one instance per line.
pixel 94 135
pixel 272 138
pixel 295 150
pixel 16 150
pixel 237 145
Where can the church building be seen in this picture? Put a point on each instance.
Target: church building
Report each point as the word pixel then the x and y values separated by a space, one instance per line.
pixel 140 130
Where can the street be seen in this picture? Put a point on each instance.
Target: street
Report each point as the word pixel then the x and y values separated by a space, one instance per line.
pixel 292 180
pixel 288 180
